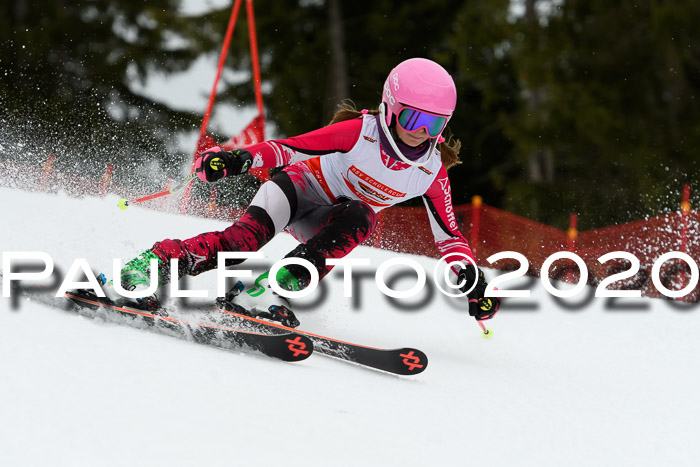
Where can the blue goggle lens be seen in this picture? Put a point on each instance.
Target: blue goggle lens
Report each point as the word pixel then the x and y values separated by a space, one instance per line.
pixel 414 119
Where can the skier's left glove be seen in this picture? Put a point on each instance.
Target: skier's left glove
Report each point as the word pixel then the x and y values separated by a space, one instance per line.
pixel 480 307
pixel 215 163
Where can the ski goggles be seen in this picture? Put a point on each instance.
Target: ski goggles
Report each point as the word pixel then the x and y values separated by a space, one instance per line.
pixel 411 119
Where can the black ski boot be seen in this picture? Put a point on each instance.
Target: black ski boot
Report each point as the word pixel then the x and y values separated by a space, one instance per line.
pixel 278 313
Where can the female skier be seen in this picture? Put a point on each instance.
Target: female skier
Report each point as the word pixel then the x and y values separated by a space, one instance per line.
pixel 336 180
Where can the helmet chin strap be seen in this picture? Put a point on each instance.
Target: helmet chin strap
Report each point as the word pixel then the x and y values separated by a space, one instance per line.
pixel 387 133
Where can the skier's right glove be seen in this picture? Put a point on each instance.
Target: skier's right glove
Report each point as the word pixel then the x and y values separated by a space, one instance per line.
pixel 480 307
pixel 215 163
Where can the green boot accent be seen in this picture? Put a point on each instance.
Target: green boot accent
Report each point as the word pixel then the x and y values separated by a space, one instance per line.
pixel 259 288
pixel 138 271
pixel 287 281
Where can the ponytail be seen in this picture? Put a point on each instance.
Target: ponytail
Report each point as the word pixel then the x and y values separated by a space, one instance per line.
pixel 449 151
pixel 348 111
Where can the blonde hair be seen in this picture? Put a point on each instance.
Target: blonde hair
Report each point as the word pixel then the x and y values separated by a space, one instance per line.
pixel 449 149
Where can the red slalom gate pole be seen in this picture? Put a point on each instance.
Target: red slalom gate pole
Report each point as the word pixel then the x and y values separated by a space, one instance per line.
pixel 48 168
pixel 255 60
pixel 212 97
pixel 168 184
pixel 219 69
pixel 106 179
pixel 212 205
pixel 685 212
pixel 477 201
pixel 262 174
pixel 572 233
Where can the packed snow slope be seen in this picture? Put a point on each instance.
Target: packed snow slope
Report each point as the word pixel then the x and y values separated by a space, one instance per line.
pixel 578 383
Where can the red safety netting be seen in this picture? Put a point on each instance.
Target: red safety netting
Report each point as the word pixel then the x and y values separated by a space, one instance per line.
pixel 407 229
pixel 490 230
pixel 647 240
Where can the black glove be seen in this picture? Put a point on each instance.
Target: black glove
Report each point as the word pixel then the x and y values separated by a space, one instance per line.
pixel 215 163
pixel 480 307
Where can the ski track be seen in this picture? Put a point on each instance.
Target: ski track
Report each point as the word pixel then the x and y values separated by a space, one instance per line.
pixel 552 387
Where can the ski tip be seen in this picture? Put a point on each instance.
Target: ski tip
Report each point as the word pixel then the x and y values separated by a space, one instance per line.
pixel 123 204
pixel 296 347
pixel 413 362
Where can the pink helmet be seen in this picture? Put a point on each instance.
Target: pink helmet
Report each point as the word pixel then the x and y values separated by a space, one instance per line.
pixel 419 83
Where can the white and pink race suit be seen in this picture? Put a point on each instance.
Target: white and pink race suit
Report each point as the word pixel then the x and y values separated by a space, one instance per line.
pixel 337 178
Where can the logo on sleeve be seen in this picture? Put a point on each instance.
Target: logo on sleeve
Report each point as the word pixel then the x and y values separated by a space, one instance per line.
pixel 449 210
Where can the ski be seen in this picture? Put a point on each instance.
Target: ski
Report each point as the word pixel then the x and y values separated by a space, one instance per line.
pixel 238 331
pixel 403 361
pixel 289 346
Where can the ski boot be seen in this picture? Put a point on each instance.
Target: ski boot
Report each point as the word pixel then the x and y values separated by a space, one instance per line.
pixel 260 301
pixel 135 276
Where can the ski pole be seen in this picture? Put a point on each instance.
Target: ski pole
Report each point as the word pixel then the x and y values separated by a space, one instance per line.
pixel 124 203
pixel 487 332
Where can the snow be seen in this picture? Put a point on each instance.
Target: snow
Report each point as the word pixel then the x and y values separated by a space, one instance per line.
pixel 579 382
